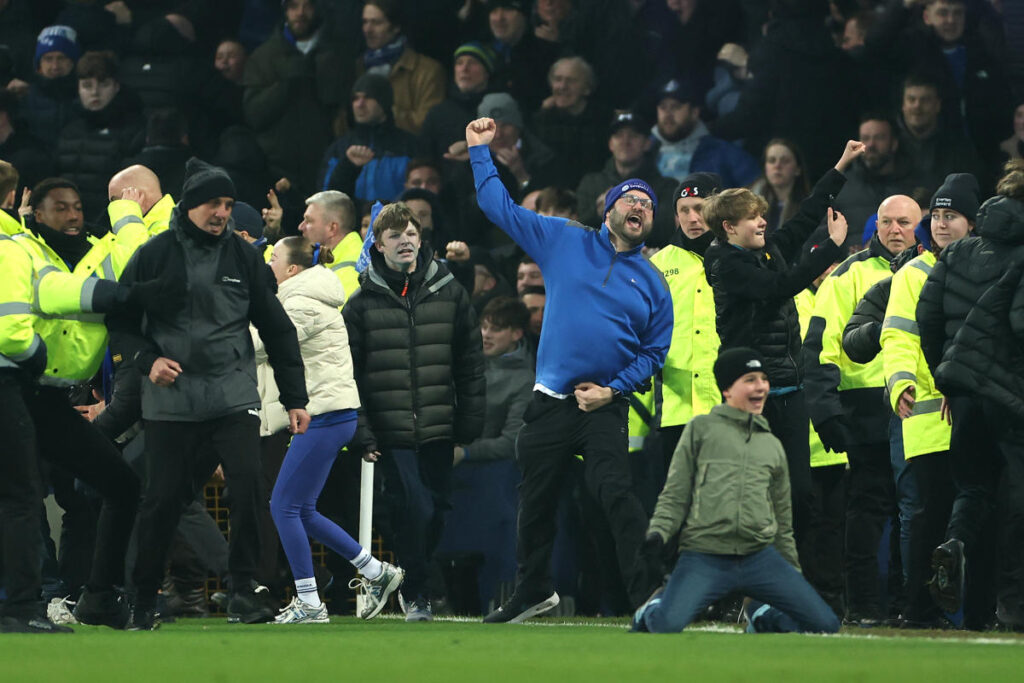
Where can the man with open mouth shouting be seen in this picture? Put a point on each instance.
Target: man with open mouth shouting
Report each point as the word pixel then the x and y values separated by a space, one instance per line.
pixel 607 329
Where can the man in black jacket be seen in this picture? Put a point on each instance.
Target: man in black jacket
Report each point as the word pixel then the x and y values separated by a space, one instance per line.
pixel 201 396
pixel 422 390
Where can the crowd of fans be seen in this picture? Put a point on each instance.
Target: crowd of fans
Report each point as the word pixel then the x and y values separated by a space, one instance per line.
pixel 310 111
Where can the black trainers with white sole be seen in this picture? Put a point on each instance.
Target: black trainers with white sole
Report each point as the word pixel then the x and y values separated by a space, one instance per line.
pixel 518 609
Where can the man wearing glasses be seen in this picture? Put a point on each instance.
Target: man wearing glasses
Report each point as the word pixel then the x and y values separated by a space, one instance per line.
pixel 607 328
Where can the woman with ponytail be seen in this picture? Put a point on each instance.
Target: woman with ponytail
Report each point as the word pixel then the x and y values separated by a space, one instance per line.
pixel 312 295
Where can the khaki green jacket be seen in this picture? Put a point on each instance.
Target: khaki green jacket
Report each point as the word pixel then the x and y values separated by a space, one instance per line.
pixel 727 488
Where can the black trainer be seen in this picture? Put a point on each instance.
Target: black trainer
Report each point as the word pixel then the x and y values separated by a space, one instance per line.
pixel 518 608
pixel 143 619
pixel 102 608
pixel 36 623
pixel 251 607
pixel 947 582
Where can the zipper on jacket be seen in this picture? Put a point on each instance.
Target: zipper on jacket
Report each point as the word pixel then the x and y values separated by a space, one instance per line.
pixel 606 277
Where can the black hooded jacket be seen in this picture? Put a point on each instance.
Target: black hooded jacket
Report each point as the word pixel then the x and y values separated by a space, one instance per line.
pixel 418 358
pixel 964 272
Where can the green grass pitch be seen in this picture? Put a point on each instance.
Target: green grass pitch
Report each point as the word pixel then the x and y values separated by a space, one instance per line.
pixel 591 651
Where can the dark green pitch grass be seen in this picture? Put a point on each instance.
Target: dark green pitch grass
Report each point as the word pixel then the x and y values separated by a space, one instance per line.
pixel 388 650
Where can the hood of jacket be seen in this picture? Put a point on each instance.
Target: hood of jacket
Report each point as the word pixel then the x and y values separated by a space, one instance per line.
pixel 317 283
pixel 1001 219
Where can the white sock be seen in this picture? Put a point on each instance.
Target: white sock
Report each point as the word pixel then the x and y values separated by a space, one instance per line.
pixel 368 565
pixel 306 588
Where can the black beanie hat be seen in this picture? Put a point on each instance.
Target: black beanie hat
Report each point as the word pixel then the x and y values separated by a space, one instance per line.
pixel 700 184
pixel 734 363
pixel 960 192
pixel 376 87
pixel 204 182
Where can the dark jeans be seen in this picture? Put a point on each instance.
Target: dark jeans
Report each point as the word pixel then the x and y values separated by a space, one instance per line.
pixel 933 482
pixel 699 579
pixel 787 416
pixel 417 488
pixel 41 420
pixel 871 502
pixel 554 431
pixel 827 535
pixel 181 456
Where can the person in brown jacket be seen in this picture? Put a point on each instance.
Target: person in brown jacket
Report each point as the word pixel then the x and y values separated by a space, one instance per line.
pixel 417 80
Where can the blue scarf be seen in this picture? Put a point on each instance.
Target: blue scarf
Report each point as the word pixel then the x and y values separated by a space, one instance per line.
pixel 385 55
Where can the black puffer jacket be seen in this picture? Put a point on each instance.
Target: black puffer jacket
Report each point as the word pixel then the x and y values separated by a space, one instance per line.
pixel 754 290
pixel 94 146
pixel 964 271
pixel 986 357
pixel 862 335
pixel 418 358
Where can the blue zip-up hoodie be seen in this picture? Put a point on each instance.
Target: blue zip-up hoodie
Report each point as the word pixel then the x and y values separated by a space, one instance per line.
pixel 608 317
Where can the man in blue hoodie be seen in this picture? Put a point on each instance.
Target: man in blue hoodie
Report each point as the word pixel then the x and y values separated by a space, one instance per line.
pixel 607 328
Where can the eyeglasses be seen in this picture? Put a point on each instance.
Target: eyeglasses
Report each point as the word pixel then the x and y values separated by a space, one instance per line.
pixel 632 200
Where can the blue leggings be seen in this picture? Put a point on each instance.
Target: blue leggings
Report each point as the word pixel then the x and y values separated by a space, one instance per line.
pixel 293 502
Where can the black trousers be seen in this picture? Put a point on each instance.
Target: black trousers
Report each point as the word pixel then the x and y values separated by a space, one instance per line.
pixel 554 431
pixel 181 456
pixel 273 567
pixel 987 461
pixel 871 501
pixel 934 481
pixel 787 416
pixel 417 488
pixel 826 536
pixel 39 421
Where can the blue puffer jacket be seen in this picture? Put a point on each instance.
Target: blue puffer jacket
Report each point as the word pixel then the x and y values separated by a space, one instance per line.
pixel 384 176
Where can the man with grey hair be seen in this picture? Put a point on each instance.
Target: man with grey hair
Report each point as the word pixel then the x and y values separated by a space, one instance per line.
pixel 330 220
pixel 571 123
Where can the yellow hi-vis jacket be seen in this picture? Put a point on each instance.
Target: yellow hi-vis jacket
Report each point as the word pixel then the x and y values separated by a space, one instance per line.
pixel 123 211
pixel 819 456
pixel 688 385
pixel 75 337
pixel 834 384
pixel 18 338
pixel 924 431
pixel 346 254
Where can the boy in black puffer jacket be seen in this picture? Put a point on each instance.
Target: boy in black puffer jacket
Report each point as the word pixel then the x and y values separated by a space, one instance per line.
pixel 754 286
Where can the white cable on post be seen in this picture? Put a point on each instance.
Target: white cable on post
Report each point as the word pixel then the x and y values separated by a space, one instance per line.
pixel 365 517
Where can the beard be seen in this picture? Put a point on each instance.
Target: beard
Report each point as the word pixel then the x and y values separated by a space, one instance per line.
pixel 618 225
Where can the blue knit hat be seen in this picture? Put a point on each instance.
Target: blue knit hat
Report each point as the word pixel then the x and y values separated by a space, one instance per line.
pixel 57 39
pixel 622 188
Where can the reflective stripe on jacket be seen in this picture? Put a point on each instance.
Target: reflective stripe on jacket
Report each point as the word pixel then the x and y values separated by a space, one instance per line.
pixel 924 431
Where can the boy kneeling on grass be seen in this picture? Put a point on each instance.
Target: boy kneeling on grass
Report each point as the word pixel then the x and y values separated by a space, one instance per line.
pixel 727 494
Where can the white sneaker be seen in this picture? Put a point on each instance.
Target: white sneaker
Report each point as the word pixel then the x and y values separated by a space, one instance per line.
pixel 375 593
pixel 59 611
pixel 298 612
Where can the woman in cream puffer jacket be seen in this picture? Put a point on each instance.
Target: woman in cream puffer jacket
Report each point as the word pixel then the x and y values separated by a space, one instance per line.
pixel 311 296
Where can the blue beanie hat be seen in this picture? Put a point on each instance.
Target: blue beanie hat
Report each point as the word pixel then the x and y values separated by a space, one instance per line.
pixel 622 188
pixel 57 39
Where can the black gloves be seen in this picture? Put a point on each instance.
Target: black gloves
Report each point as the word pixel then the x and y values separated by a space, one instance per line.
pixel 651 560
pixel 35 364
pixel 834 434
